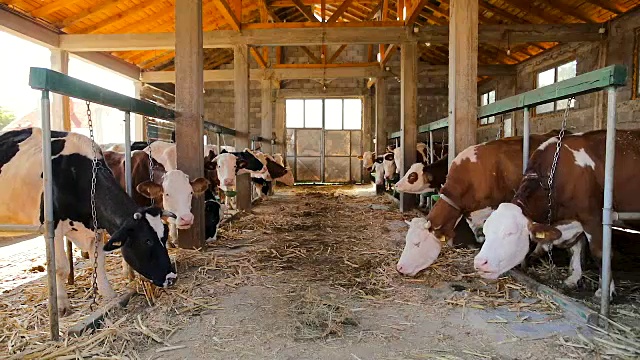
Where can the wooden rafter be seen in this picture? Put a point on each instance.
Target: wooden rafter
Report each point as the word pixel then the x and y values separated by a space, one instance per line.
pixel 70 21
pixel 110 21
pixel 305 10
pixel 52 7
pixel 341 9
pixel 336 54
pixel 229 14
pixel 310 54
pixel 387 54
pixel 531 9
pixel 567 11
pixel 609 5
pixel 371 14
pixel 259 59
pixel 412 15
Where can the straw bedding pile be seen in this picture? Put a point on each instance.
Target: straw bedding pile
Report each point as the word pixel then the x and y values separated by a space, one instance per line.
pixel 327 238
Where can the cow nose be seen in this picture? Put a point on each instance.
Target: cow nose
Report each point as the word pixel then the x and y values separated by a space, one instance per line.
pixel 186 219
pixel 480 264
pixel 228 182
pixel 400 268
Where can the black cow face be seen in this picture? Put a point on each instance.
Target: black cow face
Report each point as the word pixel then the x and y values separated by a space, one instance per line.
pixel 212 218
pixel 143 242
pixel 247 161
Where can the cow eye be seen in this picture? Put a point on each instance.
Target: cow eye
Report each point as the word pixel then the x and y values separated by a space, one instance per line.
pixel 149 242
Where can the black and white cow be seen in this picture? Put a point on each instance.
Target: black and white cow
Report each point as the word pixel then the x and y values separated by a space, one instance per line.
pixel 138 232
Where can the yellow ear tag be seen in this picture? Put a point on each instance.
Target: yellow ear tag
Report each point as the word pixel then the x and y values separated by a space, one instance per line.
pixel 539 235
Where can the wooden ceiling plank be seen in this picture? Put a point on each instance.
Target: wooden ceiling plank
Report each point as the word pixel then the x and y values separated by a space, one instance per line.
pixel 341 9
pixel 229 14
pixel 305 10
pixel 336 54
pixel 530 9
pixel 484 4
pixel 52 7
pixel 609 5
pixel 567 10
pixel 111 20
pixel 97 8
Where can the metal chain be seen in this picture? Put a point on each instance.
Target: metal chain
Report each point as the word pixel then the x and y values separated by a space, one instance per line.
pixel 554 165
pixel 150 157
pixel 97 237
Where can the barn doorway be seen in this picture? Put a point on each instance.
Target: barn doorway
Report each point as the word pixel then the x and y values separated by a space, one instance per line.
pixel 324 139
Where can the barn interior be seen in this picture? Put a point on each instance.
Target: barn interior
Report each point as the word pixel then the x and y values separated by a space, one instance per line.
pixel 309 272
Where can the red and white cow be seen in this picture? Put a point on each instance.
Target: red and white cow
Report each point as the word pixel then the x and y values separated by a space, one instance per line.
pixel 577 202
pixel 480 178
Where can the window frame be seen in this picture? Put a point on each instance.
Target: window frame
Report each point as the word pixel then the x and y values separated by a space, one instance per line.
pixel 490 120
pixel 323 126
pixel 555 80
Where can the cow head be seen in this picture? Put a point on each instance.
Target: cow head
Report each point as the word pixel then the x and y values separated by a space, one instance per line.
pixel 368 158
pixel 506 241
pixel 389 165
pixel 142 238
pixel 378 168
pixel 417 180
pixel 279 172
pixel 248 163
pixel 421 247
pixel 176 191
pixel 227 166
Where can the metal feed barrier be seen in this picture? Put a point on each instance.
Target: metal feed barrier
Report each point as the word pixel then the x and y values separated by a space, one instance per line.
pixel 608 78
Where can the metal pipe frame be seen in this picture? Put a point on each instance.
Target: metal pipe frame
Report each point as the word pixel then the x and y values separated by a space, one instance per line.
pixel 607 210
pixel 526 129
pixel 49 231
pixel 626 216
pixel 127 153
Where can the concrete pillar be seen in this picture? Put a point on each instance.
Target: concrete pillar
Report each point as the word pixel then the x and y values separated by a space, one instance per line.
pixel 463 73
pixel 139 132
pixel 60 115
pixel 190 108
pixel 408 114
pixel 241 110
pixel 267 116
pixel 381 113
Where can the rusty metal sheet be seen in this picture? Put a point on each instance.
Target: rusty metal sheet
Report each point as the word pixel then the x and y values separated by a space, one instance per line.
pixel 336 143
pixel 337 169
pixel 308 169
pixel 308 142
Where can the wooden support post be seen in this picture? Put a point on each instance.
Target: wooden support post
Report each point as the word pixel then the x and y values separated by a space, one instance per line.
pixel 380 128
pixel 408 115
pixel 267 116
pixel 241 110
pixel 61 120
pixel 367 124
pixel 190 109
pixel 463 74
pixel 139 132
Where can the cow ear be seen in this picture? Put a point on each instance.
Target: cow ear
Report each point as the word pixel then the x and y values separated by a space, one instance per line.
pixel 149 189
pixel 242 164
pixel 224 151
pixel 542 233
pixel 428 177
pixel 210 165
pixel 117 240
pixel 199 185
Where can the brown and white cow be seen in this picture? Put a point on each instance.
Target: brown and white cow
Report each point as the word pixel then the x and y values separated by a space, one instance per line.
pixel 480 178
pixel 577 200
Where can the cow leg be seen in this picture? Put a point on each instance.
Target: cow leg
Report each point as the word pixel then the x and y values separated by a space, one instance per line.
pixel 576 263
pixel 104 288
pixel 62 272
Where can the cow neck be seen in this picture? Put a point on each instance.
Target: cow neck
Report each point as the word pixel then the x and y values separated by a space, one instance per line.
pixel 113 205
pixel 445 213
pixel 531 182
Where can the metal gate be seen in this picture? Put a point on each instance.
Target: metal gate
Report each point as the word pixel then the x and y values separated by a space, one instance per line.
pixel 325 156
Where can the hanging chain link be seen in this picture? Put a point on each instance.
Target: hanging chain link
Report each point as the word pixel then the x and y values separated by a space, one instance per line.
pixel 150 157
pixel 554 165
pixel 94 217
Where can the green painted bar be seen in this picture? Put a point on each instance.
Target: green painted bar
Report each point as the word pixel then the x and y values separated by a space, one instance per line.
pixel 45 79
pixel 395 135
pixel 439 124
pixel 614 75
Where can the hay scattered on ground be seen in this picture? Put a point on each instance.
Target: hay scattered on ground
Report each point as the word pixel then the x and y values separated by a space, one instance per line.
pixel 319 317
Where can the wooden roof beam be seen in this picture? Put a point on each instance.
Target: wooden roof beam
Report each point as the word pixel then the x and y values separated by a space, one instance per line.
pixel 609 5
pixel 310 54
pixel 414 12
pixel 52 7
pixel 567 10
pixel 90 11
pixel 305 10
pixel 229 14
pixel 341 9
pixel 138 8
pixel 531 9
pixel 259 59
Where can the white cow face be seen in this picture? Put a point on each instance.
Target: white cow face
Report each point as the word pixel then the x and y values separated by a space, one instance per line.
pixel 506 241
pixel 389 165
pixel 368 158
pixel 227 168
pixel 421 248
pixel 176 191
pixel 397 155
pixel 415 181
pixel 378 167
